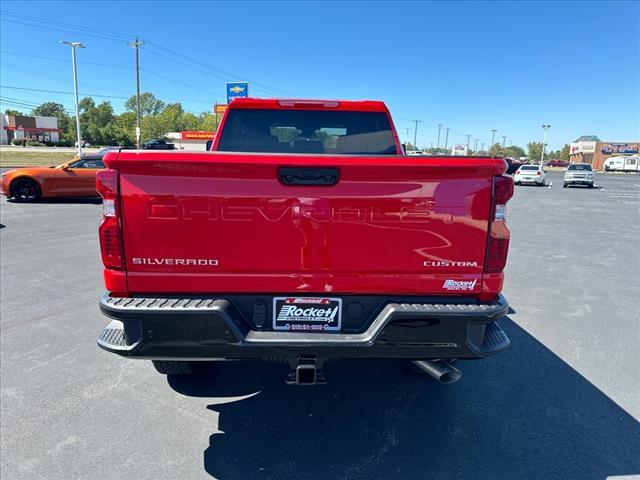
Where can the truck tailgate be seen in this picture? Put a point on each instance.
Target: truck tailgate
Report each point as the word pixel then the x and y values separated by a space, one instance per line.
pixel 220 222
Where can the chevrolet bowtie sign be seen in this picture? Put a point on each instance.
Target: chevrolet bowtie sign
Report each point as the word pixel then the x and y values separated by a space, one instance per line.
pixel 237 89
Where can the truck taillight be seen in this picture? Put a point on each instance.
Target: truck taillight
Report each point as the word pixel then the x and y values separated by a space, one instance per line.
pixel 110 229
pixel 498 238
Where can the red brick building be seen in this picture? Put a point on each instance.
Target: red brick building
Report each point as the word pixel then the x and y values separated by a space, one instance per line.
pixel 590 149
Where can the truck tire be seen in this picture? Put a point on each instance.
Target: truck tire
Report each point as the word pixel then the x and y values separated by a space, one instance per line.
pixel 564 185
pixel 169 367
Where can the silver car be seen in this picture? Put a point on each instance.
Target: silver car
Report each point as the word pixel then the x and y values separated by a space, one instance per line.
pixel 579 174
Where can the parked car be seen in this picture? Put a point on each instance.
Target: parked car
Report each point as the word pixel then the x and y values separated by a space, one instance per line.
pixel 158 145
pixel 534 174
pixel 579 174
pixel 513 165
pixel 335 244
pixel 557 163
pixel 75 178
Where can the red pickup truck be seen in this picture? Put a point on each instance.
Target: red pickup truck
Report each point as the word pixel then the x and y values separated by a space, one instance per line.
pixel 305 234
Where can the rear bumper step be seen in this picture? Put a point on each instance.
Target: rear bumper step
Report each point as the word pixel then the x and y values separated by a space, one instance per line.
pixel 202 328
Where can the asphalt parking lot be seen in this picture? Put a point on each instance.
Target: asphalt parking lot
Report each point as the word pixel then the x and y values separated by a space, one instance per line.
pixel 562 403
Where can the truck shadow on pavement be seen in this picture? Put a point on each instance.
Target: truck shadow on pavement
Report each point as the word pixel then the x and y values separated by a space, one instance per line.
pixel 522 414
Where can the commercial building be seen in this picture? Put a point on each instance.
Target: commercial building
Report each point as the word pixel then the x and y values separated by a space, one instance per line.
pixel 42 129
pixel 192 140
pixel 590 149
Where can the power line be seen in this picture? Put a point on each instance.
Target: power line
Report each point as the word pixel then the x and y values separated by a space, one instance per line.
pixel 49 28
pixel 120 37
pixel 63 26
pixel 27 104
pixel 112 66
pixel 61 92
pixel 212 73
pixel 6 52
pixel 256 85
pixel 176 81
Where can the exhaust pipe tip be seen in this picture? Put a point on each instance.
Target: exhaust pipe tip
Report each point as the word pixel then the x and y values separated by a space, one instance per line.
pixel 451 377
pixel 442 371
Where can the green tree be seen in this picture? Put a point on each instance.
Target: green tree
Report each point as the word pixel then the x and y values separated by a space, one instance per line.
pixel 534 151
pixel 565 153
pixel 96 122
pixel 496 150
pixel 149 104
pixel 13 113
pixel 207 122
pixel 514 152
pixel 124 129
pixel 53 109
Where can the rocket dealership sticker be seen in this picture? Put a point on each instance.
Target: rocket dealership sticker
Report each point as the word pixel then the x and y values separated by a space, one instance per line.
pixel 307 314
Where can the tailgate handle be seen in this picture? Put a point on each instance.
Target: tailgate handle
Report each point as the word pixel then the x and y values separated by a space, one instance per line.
pixel 309 176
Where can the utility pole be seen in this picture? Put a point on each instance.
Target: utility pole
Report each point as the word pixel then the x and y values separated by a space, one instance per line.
pixel 415 135
pixel 504 141
pixel 439 127
pixel 493 137
pixel 544 141
pixel 136 45
pixel 468 140
pixel 446 139
pixel 475 145
pixel 73 46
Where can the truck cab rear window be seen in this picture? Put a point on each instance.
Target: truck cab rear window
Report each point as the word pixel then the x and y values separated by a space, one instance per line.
pixel 307 131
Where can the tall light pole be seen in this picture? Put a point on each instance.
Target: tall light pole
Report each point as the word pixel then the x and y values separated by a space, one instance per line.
pixel 408 139
pixel 73 46
pixel 136 45
pixel 493 138
pixel 446 140
pixel 415 135
pixel 544 141
pixel 475 145
pixel 482 147
pixel 468 140
pixel 439 127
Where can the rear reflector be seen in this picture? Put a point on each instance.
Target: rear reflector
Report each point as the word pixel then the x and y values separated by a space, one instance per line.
pixel 498 238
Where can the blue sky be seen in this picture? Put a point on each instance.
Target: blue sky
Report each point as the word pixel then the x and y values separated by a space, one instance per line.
pixel 472 66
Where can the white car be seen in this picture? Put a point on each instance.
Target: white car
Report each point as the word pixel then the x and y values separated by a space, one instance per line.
pixel 579 174
pixel 534 174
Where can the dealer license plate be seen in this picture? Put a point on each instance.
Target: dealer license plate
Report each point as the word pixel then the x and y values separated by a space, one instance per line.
pixel 307 314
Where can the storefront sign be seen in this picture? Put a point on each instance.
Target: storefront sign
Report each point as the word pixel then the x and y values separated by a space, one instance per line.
pixel 196 135
pixel 582 147
pixel 611 148
pixel 459 150
pixel 236 90
pixel 220 108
